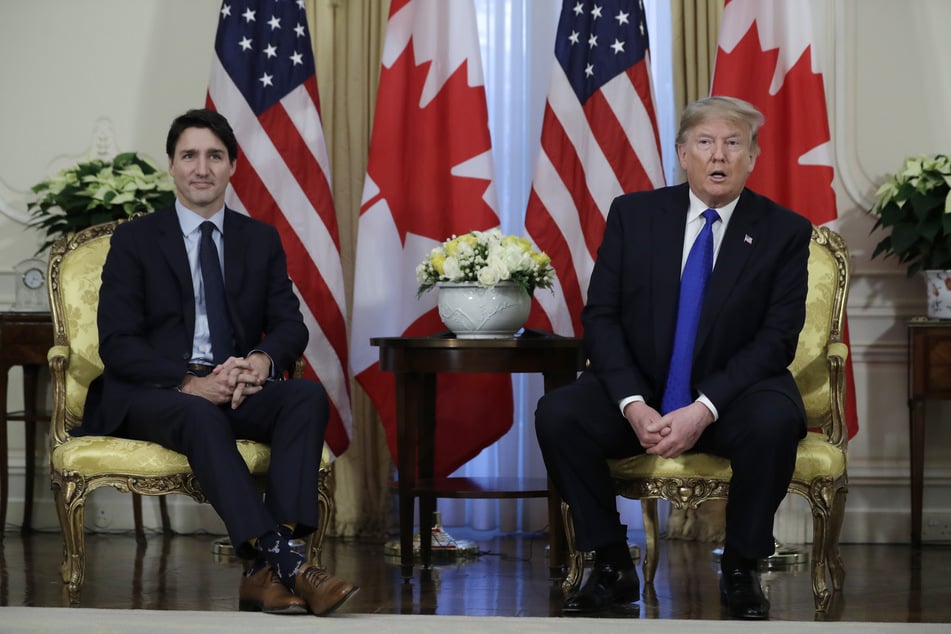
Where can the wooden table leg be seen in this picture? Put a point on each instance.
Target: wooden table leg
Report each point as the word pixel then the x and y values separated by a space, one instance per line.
pixel 4 462
pixel 30 421
pixel 917 446
pixel 407 396
pixel 557 544
pixel 425 460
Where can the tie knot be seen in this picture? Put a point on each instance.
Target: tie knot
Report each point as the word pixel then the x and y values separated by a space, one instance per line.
pixel 710 215
pixel 208 228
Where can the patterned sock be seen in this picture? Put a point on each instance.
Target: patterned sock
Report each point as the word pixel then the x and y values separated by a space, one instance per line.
pixel 259 564
pixel 276 550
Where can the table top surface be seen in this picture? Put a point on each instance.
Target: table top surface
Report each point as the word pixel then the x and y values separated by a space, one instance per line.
pixel 528 338
pixel 921 321
pixel 8 314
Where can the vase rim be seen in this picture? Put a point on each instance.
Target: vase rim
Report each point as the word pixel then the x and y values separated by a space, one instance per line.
pixel 500 283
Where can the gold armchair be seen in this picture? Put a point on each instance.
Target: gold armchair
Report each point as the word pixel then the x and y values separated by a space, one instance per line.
pixel 820 475
pixel 78 466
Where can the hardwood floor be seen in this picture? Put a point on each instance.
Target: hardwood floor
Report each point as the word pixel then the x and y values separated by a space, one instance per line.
pixel 509 577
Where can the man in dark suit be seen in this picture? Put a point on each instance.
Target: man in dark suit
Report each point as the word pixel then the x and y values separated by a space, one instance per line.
pixel 735 397
pixel 193 362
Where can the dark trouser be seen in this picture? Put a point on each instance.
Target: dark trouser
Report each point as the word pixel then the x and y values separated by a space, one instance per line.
pixel 578 427
pixel 290 416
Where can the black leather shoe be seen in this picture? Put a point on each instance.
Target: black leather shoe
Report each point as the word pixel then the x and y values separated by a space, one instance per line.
pixel 742 595
pixel 606 588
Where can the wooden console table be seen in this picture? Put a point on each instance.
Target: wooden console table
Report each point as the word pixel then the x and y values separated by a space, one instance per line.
pixel 25 338
pixel 929 377
pixel 416 361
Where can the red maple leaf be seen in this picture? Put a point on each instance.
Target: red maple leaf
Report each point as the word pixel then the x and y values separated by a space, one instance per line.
pixel 423 145
pixel 796 122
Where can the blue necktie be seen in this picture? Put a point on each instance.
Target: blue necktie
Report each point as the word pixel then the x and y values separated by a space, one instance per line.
pixel 216 306
pixel 693 283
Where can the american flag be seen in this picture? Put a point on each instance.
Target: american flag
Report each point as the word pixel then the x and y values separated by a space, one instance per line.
pixel 263 81
pixel 599 140
pixel 770 54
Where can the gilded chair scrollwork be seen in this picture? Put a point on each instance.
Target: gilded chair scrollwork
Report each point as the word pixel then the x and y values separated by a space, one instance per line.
pixel 821 463
pixel 79 466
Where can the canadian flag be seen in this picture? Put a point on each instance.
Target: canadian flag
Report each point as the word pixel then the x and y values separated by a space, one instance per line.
pixel 770 54
pixel 429 177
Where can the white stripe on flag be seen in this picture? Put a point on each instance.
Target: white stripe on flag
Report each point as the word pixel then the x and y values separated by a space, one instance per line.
pixel 260 152
pixel 556 199
pixel 302 111
pixel 636 122
pixel 602 183
pixel 327 365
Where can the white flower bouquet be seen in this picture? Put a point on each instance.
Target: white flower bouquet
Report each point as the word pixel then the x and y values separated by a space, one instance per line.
pixel 486 258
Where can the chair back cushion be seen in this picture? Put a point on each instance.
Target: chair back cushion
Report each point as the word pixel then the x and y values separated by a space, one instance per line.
pixel 80 276
pixel 810 367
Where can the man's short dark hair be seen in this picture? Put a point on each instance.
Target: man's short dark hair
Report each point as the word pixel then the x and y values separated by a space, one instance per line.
pixel 202 118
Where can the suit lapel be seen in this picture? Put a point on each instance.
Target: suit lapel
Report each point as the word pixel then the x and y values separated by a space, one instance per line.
pixel 172 246
pixel 735 251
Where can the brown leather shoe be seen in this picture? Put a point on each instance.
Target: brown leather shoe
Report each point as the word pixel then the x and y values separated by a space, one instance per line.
pixel 323 592
pixel 264 592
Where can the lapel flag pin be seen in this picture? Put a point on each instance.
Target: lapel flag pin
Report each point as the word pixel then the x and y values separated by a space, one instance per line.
pixel 748 239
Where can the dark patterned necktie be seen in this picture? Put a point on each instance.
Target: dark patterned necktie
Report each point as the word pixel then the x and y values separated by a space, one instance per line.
pixel 216 306
pixel 693 283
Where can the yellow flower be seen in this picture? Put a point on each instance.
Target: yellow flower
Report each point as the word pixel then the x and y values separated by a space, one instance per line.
pixel 486 258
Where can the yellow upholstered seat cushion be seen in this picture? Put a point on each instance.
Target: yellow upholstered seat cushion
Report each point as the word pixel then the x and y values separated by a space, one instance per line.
pixel 103 455
pixel 814 457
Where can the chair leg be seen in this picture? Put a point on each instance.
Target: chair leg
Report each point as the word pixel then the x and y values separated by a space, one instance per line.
pixel 572 580
pixel 166 521
pixel 137 517
pixel 836 565
pixel 652 536
pixel 325 511
pixel 70 506
pixel 820 552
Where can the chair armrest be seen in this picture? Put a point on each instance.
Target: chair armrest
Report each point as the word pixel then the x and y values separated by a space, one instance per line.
pixel 58 352
pixel 58 358
pixel 836 354
pixel 838 349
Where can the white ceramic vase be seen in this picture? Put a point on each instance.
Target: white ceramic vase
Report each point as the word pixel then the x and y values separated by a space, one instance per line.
pixel 473 312
pixel 939 293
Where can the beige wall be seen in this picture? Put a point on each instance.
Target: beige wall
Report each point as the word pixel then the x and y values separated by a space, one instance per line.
pixel 81 76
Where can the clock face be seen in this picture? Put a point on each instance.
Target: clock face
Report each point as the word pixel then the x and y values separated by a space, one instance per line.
pixel 34 278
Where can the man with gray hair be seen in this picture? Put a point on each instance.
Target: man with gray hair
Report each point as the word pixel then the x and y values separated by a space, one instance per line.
pixel 693 314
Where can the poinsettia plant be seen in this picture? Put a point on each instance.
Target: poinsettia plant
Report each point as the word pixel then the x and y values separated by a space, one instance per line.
pixel 914 205
pixel 96 191
pixel 486 258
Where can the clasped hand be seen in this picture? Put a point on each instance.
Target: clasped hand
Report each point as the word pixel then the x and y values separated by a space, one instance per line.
pixel 670 435
pixel 234 380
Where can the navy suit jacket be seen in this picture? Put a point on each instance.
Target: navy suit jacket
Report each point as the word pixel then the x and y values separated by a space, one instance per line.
pixel 752 313
pixel 146 314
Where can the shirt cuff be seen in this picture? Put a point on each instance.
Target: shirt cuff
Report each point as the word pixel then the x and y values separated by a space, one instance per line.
pixel 270 375
pixel 702 399
pixel 709 405
pixel 630 399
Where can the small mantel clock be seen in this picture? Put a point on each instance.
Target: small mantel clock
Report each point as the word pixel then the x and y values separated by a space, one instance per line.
pixel 30 293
